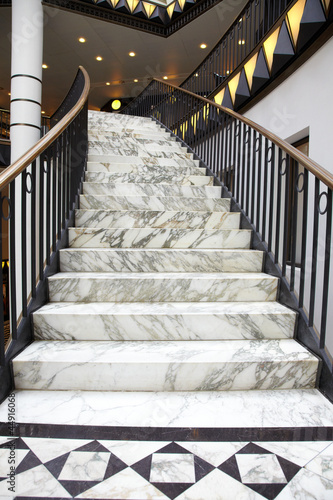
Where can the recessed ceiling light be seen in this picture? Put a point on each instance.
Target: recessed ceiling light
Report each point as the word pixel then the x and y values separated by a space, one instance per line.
pixel 135 80
pixel 228 72
pixel 108 83
pixel 116 104
pixel 197 74
pixel 165 77
pixel 132 54
pixel 203 46
pixel 44 66
pixel 99 58
pixel 43 112
pixel 82 40
pixel 241 42
pixel 9 93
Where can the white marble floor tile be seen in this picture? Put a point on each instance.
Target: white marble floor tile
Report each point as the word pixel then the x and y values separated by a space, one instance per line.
pixel 322 464
pixel 213 453
pixel 85 466
pixel 260 469
pixel 128 485
pixel 307 486
pixel 47 449
pixel 298 452
pixel 172 468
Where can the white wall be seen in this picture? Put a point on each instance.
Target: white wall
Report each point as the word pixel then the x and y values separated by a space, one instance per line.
pixel 303 104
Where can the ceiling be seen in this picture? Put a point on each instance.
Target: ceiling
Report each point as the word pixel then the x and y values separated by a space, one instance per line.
pixel 175 57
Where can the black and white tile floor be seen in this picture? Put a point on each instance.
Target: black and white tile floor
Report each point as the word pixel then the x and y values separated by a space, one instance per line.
pixel 60 462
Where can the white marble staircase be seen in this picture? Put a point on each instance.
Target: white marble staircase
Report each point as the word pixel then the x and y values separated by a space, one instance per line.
pixel 159 289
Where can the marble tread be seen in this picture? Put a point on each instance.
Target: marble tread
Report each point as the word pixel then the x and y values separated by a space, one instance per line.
pixel 145 189
pixel 160 287
pixel 110 153
pixel 156 219
pixel 169 159
pixel 160 260
pixel 214 409
pixel 128 168
pixel 115 131
pixel 132 147
pixel 163 321
pixel 104 201
pixel 165 366
pixel 158 238
pixel 149 178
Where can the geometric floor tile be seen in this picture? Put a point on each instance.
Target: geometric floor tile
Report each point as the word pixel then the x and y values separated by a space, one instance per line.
pixel 48 449
pixel 213 453
pixel 322 464
pixel 300 453
pixel 307 485
pixel 131 452
pixel 84 465
pixel 260 469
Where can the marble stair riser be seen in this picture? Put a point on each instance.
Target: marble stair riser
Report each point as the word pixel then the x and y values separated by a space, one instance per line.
pixel 165 366
pixel 133 189
pixel 163 321
pixel 162 287
pixel 138 146
pixel 158 260
pixel 154 179
pixel 159 238
pixel 145 160
pixel 156 219
pixel 113 132
pixel 140 151
pixel 127 168
pixel 101 202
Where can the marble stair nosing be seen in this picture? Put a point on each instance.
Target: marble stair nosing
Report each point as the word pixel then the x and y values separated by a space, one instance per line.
pixel 134 189
pixel 115 132
pixel 145 160
pixel 159 260
pixel 104 201
pixel 163 321
pixel 160 287
pixel 87 237
pixel 156 219
pixel 165 366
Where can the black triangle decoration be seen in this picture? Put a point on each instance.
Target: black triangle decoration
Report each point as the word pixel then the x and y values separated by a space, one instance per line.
pixel 284 49
pixel 261 73
pixel 227 101
pixel 172 490
pixel 243 91
pixel 140 11
pixel 269 491
pixel 312 20
pixel 159 16
pixel 123 7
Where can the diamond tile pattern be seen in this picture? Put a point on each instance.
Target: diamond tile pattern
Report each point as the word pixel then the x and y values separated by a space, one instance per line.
pixel 79 468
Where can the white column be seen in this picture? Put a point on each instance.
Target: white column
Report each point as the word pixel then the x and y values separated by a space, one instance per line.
pixel 26 72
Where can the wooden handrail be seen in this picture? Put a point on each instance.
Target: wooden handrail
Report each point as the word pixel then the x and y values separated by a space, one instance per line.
pixel 25 160
pixel 321 173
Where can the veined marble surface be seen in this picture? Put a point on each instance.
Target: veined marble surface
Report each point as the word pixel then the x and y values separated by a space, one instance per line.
pixel 156 219
pixel 160 260
pixel 112 132
pixel 163 321
pixel 151 190
pixel 165 366
pixel 159 238
pixel 160 287
pixel 107 152
pixel 228 409
pixel 128 168
pixel 155 178
pixel 183 160
pixel 101 202
pixel 128 143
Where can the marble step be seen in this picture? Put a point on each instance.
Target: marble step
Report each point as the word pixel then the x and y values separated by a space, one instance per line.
pixel 101 202
pixel 163 321
pixel 115 131
pixel 160 260
pixel 162 287
pixel 156 219
pixel 257 410
pixel 115 154
pixel 165 366
pixel 128 168
pixel 133 147
pixel 155 178
pixel 145 189
pixel 146 160
pixel 87 237
pixel 106 118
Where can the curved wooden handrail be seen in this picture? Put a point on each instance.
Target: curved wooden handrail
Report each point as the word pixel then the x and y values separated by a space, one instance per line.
pixel 320 172
pixel 25 160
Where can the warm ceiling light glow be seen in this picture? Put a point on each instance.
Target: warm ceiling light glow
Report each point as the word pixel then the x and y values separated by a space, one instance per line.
pixel 135 80
pixel 9 93
pixel 269 46
pixel 131 54
pixel 294 16
pixel 203 46
pixel 241 42
pixel 116 104
pixel 108 83
pixel 197 74
pixel 99 58
pixel 43 112
pixel 44 66
pixel 82 40
pixel 165 77
pixel 228 72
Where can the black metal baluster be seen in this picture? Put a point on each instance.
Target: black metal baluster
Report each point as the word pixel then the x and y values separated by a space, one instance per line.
pixel 24 294
pixel 12 262
pixel 41 216
pixel 33 195
pixel 259 152
pixel 286 218
pixel 327 260
pixel 304 190
pixel 314 252
pixel 264 203
pixel 271 198
pixel 294 229
pixel 282 164
pixel 2 318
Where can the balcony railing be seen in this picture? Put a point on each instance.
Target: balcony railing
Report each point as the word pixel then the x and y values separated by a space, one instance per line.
pixel 285 197
pixel 38 195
